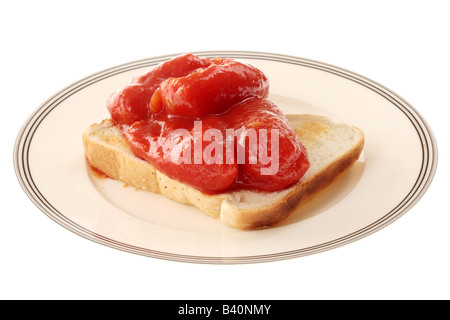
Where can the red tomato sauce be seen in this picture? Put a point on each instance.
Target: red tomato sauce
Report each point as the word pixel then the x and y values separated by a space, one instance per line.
pixel 208 123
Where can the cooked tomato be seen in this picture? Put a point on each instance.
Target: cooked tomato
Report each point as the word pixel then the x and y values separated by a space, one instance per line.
pixel 208 123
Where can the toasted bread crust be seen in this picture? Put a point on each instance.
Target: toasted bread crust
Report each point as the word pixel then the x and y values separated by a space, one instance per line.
pixel 107 151
pixel 299 194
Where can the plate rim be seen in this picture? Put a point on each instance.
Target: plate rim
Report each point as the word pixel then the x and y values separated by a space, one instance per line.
pixel 31 124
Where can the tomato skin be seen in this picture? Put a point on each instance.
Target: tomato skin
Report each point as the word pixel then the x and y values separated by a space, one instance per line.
pixel 179 66
pixel 154 140
pixel 286 156
pixel 131 103
pixel 212 90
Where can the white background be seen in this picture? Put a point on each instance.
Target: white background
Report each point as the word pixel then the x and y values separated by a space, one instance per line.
pixel 47 45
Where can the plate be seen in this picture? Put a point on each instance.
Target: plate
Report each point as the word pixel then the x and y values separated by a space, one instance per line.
pixel 395 169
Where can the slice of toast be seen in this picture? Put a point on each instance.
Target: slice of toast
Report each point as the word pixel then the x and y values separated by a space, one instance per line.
pixel 332 149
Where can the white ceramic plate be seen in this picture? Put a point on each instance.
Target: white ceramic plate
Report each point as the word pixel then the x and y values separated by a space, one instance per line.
pixel 395 169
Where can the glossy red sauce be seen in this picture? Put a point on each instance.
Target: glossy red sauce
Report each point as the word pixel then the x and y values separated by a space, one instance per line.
pixel 209 113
